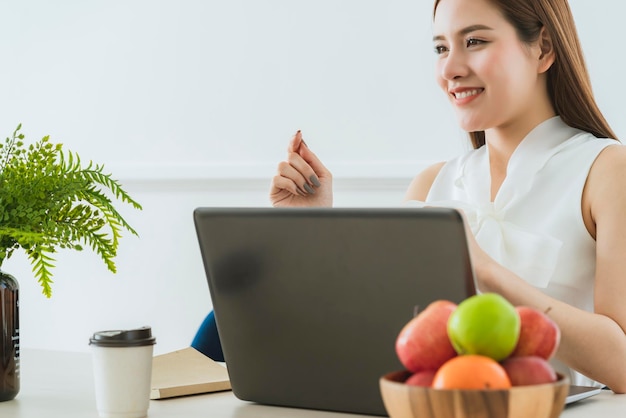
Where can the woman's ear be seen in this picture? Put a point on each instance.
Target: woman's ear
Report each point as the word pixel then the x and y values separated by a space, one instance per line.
pixel 546 49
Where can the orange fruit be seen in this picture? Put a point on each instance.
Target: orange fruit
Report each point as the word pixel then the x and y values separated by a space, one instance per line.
pixel 471 371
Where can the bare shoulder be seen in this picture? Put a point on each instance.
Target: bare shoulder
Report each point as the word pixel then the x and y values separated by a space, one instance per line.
pixel 609 168
pixel 421 184
pixel 606 184
pixel 612 155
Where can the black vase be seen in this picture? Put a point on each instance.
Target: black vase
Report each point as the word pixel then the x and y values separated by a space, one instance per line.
pixel 9 337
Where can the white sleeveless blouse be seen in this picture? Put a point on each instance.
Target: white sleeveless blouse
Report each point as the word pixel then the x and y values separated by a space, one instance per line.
pixel 534 226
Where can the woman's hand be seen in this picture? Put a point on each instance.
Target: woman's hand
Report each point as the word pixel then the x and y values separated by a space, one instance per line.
pixel 302 180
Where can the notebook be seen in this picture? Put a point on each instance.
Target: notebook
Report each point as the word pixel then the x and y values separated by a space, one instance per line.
pixel 309 301
pixel 186 372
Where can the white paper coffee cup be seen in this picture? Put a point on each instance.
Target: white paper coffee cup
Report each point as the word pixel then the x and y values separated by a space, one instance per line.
pixel 122 366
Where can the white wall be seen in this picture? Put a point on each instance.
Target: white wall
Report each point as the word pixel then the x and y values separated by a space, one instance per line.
pixel 191 103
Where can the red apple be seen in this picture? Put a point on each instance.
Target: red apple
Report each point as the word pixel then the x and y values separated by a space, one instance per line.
pixel 539 335
pixel 423 378
pixel 529 370
pixel 423 343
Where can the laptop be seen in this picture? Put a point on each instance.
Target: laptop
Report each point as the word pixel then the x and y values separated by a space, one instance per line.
pixel 578 393
pixel 309 301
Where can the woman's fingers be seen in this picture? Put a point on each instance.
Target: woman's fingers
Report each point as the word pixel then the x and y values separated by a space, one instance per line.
pixel 296 151
pixel 301 172
pixel 296 141
pixel 292 170
pixel 280 183
pixel 305 161
pixel 301 180
pixel 318 169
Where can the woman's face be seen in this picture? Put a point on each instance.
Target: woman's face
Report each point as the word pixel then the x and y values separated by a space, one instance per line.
pixel 490 76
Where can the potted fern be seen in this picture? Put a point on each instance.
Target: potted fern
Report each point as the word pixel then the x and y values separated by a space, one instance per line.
pixel 49 201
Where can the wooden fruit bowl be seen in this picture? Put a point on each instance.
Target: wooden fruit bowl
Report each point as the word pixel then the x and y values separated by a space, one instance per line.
pixel 536 401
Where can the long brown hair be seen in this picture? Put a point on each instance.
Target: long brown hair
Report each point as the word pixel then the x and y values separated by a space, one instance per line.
pixel 569 85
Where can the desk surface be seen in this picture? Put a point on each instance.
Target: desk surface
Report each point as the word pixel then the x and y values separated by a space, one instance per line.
pixel 60 385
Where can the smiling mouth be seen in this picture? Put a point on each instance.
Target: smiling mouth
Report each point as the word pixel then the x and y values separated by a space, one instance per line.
pixel 467 93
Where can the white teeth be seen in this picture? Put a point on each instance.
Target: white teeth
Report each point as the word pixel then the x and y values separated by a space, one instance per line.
pixel 464 94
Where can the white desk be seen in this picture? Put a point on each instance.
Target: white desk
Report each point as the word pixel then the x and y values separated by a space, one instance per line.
pixel 60 385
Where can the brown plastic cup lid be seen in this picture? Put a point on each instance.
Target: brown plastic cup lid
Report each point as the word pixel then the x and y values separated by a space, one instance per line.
pixel 123 338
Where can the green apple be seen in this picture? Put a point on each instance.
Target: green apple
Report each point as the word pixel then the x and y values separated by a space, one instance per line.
pixel 485 324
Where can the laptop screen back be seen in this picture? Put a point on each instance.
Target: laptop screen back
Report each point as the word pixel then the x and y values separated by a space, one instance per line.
pixel 309 302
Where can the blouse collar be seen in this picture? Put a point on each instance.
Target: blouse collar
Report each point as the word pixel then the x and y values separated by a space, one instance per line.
pixel 530 156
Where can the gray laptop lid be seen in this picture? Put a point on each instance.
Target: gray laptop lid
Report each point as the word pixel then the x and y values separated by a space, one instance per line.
pixel 309 302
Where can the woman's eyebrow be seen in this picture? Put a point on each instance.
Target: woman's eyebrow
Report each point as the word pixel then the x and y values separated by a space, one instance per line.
pixel 465 31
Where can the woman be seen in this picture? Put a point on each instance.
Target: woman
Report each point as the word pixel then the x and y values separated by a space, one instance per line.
pixel 543 190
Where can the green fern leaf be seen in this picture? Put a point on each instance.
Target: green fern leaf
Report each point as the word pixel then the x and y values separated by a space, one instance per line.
pixel 48 200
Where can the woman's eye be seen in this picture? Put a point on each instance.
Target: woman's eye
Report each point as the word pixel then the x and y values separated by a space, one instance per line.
pixel 474 42
pixel 440 49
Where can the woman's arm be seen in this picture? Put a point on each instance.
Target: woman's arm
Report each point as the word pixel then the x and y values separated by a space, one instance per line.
pixel 592 343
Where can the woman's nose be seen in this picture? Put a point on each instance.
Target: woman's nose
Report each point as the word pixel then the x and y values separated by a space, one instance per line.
pixel 454 65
